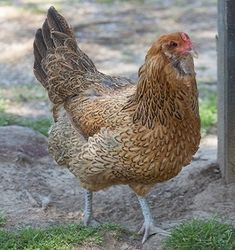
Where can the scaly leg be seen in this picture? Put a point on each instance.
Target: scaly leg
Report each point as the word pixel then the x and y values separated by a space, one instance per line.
pixel 148 227
pixel 88 213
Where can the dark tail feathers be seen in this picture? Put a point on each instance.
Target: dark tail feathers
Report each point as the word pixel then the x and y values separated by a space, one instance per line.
pixel 55 32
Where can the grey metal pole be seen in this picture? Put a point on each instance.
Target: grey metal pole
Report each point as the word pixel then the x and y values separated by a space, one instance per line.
pixel 226 88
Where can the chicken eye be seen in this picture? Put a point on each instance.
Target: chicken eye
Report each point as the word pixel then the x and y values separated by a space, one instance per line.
pixel 173 44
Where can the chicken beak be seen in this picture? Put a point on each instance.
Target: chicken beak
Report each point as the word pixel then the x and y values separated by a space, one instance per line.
pixel 193 53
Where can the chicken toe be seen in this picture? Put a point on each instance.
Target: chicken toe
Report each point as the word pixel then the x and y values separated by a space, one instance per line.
pixel 148 227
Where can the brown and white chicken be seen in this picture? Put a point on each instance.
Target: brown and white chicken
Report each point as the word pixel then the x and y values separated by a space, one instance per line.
pixel 109 131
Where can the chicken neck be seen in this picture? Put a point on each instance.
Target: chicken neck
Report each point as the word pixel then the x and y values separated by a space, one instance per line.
pixel 163 93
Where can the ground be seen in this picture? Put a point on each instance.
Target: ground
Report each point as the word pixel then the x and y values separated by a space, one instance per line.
pixel 34 190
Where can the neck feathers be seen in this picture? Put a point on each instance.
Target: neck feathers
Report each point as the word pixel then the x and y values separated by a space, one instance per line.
pixel 162 93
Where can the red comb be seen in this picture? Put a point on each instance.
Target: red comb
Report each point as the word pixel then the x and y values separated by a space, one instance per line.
pixel 186 39
pixel 184 36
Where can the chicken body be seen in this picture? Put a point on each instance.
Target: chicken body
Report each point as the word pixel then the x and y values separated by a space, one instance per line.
pixel 111 149
pixel 109 131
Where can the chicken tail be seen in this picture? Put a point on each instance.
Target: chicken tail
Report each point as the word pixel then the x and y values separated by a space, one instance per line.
pixel 59 63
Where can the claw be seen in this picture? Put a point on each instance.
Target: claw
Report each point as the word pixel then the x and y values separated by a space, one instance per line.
pixel 142 229
pixel 150 229
pixel 90 222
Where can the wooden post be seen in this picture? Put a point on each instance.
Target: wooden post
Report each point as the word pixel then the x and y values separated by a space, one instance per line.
pixel 226 88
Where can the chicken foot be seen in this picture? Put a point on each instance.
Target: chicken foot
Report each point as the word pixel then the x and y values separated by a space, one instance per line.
pixel 148 227
pixel 88 213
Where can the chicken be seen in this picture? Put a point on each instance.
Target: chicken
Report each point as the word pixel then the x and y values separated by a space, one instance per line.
pixel 108 130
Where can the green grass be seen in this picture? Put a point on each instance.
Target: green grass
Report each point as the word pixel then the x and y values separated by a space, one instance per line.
pixel 3 219
pixel 41 125
pixel 200 234
pixel 5 2
pixel 35 7
pixel 208 112
pixel 66 237
pixel 23 94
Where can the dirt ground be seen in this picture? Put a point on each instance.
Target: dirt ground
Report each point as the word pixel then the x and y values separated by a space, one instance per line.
pixel 36 192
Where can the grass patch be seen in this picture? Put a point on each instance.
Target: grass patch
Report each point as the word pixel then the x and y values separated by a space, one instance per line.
pixel 23 93
pixel 5 2
pixel 3 219
pixel 38 7
pixel 66 237
pixel 208 112
pixel 201 234
pixel 41 125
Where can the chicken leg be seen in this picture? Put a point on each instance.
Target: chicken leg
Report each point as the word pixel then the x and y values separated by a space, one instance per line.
pixel 148 227
pixel 88 213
